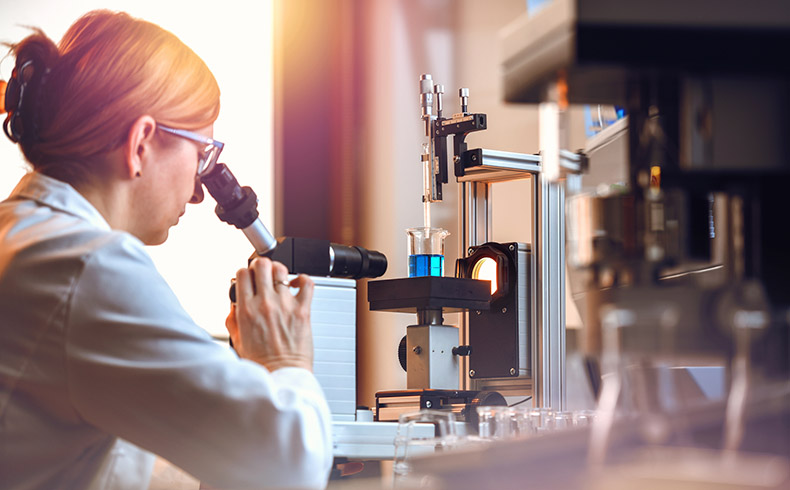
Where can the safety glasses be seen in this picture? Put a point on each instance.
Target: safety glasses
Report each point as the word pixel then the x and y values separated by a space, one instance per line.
pixel 211 148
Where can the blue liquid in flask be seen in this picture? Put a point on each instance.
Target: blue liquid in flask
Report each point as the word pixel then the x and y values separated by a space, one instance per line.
pixel 426 265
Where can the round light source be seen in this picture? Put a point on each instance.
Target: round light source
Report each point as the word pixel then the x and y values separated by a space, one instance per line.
pixel 486 270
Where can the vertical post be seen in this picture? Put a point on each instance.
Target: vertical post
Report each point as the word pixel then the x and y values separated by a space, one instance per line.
pixel 474 215
pixel 474 225
pixel 464 231
pixel 548 284
pixel 548 298
pixel 482 213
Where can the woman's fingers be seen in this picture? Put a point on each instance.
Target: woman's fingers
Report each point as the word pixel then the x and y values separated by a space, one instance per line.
pixel 280 278
pixel 244 286
pixel 306 286
pixel 271 324
pixel 262 270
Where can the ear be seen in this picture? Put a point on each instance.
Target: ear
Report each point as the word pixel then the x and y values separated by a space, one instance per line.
pixel 138 145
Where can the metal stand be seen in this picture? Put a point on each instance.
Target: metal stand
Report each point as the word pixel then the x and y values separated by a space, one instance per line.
pixel 547 301
pixel 432 348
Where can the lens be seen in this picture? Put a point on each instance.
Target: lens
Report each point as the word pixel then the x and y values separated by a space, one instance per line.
pixel 355 262
pixel 486 269
pixel 209 159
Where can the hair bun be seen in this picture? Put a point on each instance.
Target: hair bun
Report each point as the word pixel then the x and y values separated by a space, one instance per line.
pixel 25 83
pixel 21 98
pixel 16 125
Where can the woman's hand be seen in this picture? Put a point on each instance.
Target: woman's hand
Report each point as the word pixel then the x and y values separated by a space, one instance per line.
pixel 268 324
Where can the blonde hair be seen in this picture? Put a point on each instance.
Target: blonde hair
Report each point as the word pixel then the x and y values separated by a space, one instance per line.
pixel 108 70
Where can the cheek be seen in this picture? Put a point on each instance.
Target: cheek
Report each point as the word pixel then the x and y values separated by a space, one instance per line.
pixel 186 174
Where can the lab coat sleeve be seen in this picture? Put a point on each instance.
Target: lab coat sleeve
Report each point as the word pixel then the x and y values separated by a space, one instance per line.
pixel 139 368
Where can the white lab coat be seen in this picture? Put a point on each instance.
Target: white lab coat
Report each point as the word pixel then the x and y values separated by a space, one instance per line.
pixel 98 359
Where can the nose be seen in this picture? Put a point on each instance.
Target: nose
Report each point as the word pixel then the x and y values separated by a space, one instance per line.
pixel 197 196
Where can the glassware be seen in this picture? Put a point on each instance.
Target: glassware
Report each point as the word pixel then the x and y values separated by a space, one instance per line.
pixel 496 422
pixel 426 251
pixel 583 418
pixel 421 433
pixel 542 419
pixel 523 421
pixel 563 420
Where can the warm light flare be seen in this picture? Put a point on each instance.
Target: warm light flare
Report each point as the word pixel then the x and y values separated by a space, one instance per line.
pixel 486 269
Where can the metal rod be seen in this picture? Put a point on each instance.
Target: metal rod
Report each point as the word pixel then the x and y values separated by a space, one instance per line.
pixel 429 316
pixel 536 297
pixel 463 246
pixel 549 294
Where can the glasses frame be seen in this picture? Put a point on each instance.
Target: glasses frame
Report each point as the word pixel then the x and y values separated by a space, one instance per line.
pixel 210 153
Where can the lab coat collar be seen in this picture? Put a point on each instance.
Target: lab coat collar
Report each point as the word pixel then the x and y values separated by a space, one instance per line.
pixel 58 195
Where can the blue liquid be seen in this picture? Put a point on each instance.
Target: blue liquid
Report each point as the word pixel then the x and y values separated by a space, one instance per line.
pixel 426 265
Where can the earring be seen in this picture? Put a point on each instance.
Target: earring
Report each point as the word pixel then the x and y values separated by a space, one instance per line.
pixel 138 174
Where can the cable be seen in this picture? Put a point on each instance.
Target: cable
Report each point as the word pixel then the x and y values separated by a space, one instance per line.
pixel 522 401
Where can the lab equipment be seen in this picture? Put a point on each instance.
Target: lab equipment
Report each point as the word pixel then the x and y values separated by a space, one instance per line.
pixel 500 336
pixel 238 206
pixel 426 251
pixel 497 422
pixel 518 332
pixel 431 348
pixel 411 441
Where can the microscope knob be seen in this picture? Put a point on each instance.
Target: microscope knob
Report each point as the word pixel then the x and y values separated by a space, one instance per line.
pixel 464 95
pixel 462 350
pixel 402 353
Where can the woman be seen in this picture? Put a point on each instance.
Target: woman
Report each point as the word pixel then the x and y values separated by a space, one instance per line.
pixel 99 364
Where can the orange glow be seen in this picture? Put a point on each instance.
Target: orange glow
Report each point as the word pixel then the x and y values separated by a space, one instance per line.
pixel 562 90
pixel 655 177
pixel 3 85
pixel 486 270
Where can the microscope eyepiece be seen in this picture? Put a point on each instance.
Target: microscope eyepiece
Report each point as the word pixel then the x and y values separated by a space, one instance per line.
pixel 238 206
